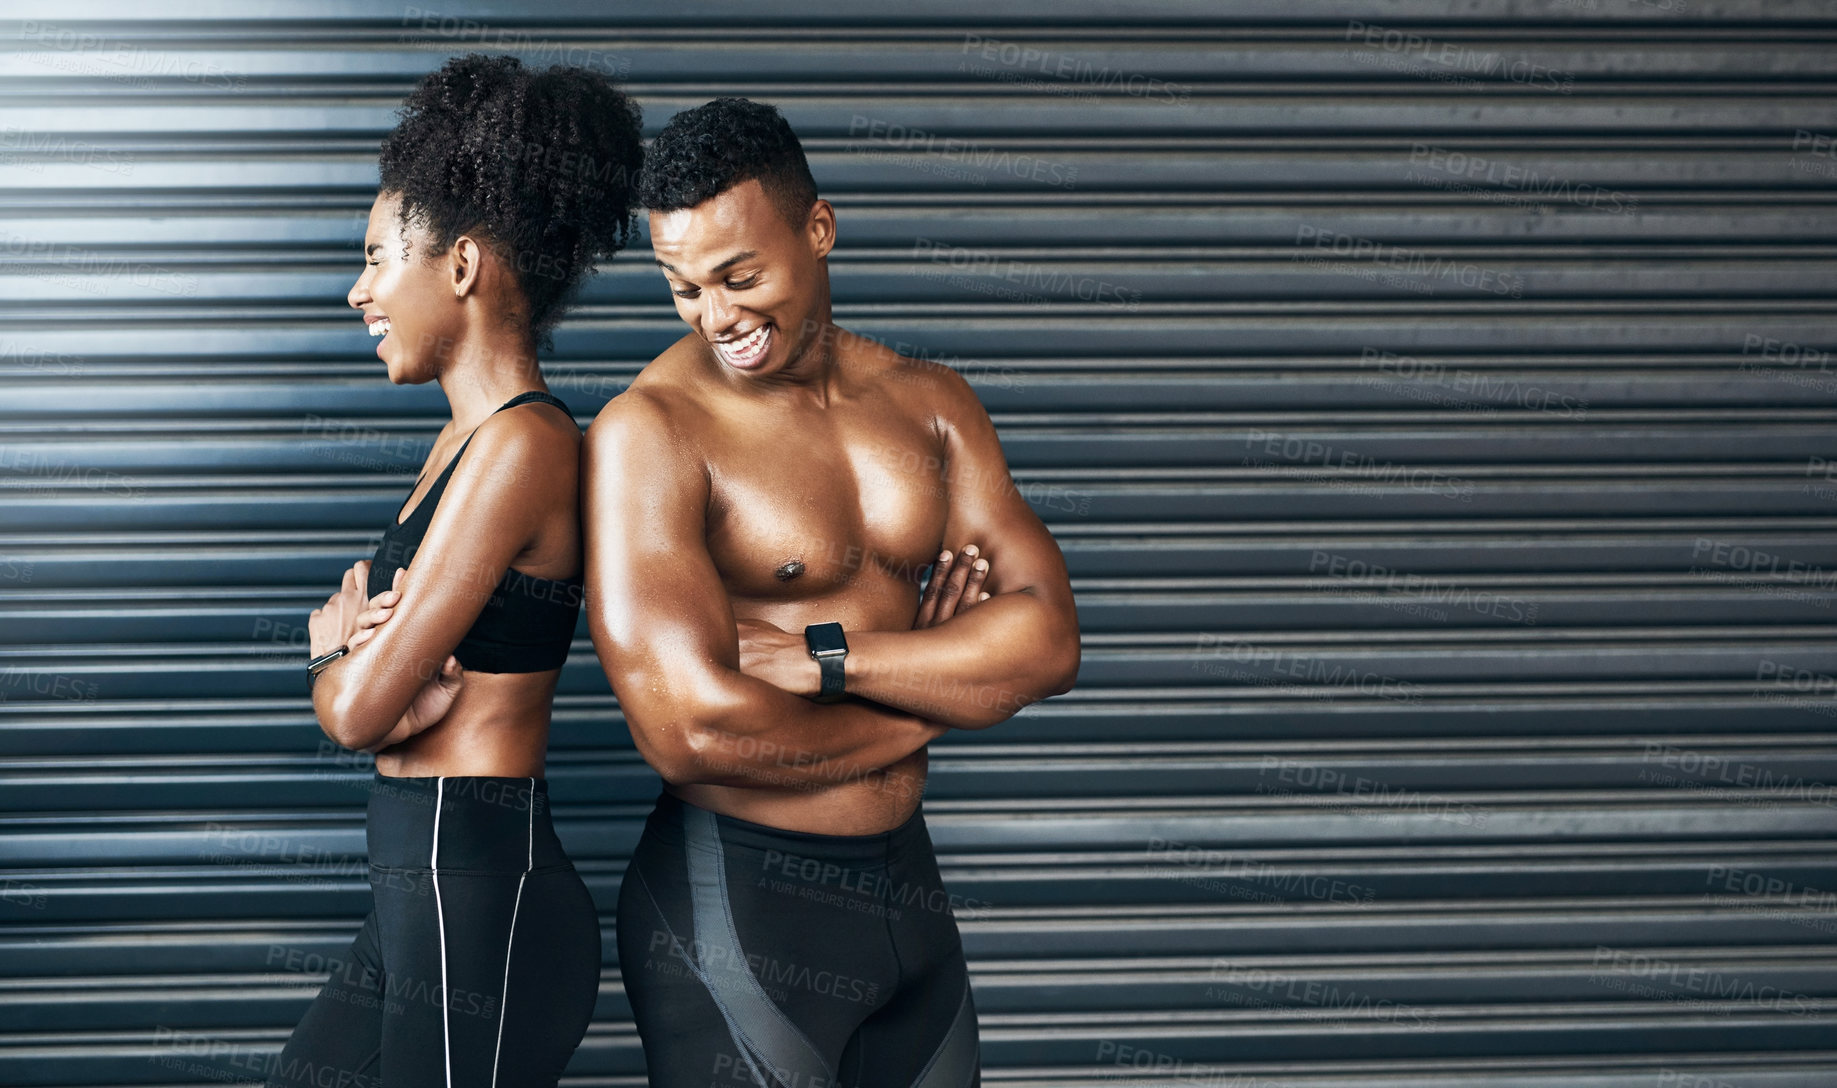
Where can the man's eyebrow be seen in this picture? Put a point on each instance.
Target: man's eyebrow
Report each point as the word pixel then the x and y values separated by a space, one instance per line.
pixel 717 269
pixel 733 260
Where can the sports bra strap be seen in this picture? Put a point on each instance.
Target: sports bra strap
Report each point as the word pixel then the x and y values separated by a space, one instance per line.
pixel 536 396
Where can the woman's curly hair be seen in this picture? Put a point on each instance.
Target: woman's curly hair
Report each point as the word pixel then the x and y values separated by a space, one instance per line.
pixel 542 165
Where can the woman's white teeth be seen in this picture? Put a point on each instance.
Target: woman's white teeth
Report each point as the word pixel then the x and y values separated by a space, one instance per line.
pixel 379 328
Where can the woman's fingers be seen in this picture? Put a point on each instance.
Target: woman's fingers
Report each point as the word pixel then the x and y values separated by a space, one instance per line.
pixel 373 617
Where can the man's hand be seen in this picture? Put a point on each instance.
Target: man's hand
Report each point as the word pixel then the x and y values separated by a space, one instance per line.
pixel 778 657
pixel 955 586
pixel 782 659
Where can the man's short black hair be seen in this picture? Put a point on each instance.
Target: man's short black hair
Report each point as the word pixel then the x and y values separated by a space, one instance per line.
pixel 708 150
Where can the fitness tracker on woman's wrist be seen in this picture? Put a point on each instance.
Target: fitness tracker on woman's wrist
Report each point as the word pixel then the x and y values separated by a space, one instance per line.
pixel 317 665
pixel 830 648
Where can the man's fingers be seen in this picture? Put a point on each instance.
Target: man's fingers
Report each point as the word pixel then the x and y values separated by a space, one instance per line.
pixel 972 589
pixel 953 586
pixel 928 604
pixel 396 582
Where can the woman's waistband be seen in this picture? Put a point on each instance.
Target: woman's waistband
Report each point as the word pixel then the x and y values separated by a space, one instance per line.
pixel 462 823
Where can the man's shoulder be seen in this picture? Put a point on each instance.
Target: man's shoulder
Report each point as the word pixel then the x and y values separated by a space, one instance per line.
pixel 656 398
pixel 919 377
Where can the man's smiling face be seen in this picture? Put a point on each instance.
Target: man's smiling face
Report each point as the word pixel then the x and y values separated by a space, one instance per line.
pixel 750 283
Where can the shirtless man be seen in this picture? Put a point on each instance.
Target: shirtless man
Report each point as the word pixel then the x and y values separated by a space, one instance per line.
pixel 769 476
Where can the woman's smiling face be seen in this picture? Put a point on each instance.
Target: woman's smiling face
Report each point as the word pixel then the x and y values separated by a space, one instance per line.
pixel 407 302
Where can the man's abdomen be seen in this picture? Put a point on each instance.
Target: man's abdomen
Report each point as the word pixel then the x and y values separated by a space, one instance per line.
pixel 868 805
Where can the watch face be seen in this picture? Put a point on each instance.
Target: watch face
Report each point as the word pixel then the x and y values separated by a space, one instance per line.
pixel 825 638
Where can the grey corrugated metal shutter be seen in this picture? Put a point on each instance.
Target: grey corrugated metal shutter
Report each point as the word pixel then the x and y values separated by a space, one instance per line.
pixel 1433 401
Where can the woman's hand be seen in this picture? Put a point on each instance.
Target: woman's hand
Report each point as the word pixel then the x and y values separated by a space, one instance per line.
pixel 331 626
pixel 377 611
pixel 431 704
pixel 360 625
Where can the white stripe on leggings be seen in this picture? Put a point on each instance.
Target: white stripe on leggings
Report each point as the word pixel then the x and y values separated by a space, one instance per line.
pixel 529 862
pixel 433 864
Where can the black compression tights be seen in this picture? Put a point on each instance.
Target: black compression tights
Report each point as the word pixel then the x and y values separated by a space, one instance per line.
pixel 480 963
pixel 755 956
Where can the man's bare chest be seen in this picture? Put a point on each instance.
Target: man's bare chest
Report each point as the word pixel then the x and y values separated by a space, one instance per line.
pixel 802 512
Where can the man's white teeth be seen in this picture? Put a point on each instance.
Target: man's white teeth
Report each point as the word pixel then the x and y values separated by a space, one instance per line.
pixel 379 328
pixel 748 346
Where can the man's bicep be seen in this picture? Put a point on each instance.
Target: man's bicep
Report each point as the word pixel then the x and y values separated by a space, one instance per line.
pixel 656 607
pixel 987 509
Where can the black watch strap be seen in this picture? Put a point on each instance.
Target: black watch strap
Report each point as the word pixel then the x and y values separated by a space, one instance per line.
pixel 834 677
pixel 317 665
pixel 830 648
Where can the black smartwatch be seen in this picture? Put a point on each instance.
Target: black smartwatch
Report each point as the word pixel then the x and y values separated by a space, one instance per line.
pixel 317 665
pixel 828 645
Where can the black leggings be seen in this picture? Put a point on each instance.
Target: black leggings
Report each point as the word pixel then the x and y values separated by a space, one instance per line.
pixel 758 956
pixel 480 963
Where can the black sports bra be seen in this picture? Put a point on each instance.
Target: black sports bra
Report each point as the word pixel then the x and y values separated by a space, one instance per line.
pixel 528 624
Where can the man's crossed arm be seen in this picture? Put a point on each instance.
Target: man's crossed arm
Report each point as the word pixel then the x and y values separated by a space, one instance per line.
pixel 665 633
pixel 983 663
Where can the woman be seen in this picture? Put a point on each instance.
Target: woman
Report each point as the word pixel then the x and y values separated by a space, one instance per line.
pixel 479 964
